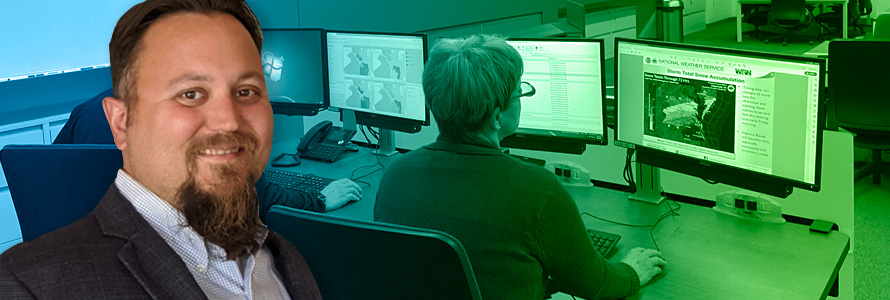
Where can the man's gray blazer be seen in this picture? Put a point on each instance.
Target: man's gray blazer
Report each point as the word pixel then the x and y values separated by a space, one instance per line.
pixel 113 253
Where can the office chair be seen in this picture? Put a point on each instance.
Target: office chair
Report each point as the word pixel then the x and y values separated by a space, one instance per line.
pixel 857 96
pixel 865 9
pixel 353 259
pixel 834 18
pixel 757 15
pixel 54 185
pixel 790 15
pixel 882 27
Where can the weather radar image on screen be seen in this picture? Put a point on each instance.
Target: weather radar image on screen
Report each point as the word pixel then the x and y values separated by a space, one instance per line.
pixel 691 111
pixel 741 115
pixel 377 73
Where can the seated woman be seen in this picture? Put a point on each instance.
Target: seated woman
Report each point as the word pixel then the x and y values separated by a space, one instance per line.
pixel 518 224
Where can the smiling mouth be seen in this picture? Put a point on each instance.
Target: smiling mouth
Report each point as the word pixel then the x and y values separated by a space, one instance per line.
pixel 221 151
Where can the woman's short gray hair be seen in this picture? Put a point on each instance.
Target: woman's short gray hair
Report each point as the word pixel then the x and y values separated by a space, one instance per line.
pixel 465 79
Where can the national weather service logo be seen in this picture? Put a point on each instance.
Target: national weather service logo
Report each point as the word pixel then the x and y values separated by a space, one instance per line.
pixel 648 60
pixel 272 66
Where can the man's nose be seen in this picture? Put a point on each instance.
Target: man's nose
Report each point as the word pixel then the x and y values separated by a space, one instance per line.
pixel 223 114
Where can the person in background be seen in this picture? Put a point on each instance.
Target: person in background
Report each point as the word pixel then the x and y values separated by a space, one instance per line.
pixel 192 118
pixel 518 223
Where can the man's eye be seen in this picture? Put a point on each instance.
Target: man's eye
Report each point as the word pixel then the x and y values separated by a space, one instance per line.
pixel 246 93
pixel 192 95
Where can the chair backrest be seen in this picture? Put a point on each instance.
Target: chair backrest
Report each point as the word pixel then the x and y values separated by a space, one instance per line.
pixel 353 259
pixel 865 7
pixel 788 12
pixel 54 185
pixel 856 81
pixel 882 27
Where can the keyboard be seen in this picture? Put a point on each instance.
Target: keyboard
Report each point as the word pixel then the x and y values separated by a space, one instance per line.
pixel 297 181
pixel 603 241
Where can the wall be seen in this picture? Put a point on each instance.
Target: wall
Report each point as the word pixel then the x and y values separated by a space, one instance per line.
pixel 276 13
pixel 879 7
pixel 411 15
pixel 718 10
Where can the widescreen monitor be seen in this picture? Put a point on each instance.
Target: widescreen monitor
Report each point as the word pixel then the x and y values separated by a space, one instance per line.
pixel 295 72
pixel 567 112
pixel 748 119
pixel 378 75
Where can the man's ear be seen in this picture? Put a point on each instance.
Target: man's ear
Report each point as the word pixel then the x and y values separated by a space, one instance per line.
pixel 116 113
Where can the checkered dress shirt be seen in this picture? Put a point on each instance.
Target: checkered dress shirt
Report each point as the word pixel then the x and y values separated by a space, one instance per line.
pixel 248 277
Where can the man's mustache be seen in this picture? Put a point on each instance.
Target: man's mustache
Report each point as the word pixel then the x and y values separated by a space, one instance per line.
pixel 236 141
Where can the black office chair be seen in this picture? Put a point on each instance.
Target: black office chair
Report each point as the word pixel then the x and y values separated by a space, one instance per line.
pixel 790 15
pixel 865 9
pixel 859 100
pixel 757 15
pixel 54 185
pixel 353 259
pixel 834 18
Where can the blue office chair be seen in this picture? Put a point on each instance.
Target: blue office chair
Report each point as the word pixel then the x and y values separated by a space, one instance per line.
pixel 790 15
pixel 353 259
pixel 54 185
pixel 856 94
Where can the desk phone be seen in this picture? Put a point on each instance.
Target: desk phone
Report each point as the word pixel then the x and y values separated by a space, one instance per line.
pixel 324 142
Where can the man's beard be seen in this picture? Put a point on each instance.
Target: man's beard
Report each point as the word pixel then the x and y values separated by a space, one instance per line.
pixel 225 213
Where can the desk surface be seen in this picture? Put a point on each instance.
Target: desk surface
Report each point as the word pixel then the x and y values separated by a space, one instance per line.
pixel 714 256
pixel 709 255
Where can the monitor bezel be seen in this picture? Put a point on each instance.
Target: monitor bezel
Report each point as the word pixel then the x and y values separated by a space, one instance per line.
pixel 756 181
pixel 536 138
pixel 306 109
pixel 407 125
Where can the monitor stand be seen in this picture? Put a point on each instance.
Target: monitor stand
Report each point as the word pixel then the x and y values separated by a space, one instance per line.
pixel 386 144
pixel 648 185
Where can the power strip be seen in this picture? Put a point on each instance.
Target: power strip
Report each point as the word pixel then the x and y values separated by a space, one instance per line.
pixel 749 206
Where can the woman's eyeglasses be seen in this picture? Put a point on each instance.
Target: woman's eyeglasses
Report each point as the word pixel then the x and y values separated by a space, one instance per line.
pixel 525 90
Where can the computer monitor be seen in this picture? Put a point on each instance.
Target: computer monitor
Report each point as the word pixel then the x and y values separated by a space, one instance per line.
pixel 567 112
pixel 379 77
pixel 295 72
pixel 352 259
pixel 748 119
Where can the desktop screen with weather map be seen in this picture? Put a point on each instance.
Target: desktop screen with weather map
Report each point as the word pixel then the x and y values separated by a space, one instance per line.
pixel 749 111
pixel 377 73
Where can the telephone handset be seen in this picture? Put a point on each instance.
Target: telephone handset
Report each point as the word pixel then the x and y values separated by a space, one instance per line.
pixel 324 141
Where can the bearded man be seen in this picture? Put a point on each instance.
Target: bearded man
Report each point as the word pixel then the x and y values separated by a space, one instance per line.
pixel 192 118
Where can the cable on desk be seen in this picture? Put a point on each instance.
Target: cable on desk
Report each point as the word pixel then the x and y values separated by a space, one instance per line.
pixel 357 179
pixel 628 172
pixel 362 128
pixel 672 212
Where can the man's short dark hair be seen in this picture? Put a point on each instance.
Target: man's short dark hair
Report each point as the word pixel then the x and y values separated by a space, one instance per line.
pixel 126 40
